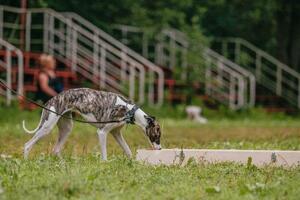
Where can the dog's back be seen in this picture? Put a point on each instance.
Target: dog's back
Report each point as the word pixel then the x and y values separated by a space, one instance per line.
pixel 85 101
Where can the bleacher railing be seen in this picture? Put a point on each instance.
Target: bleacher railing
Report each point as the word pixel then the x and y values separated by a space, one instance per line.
pixel 225 81
pixel 12 57
pixel 156 75
pixel 269 72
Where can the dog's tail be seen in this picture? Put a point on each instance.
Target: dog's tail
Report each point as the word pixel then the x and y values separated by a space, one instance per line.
pixel 33 131
pixel 28 131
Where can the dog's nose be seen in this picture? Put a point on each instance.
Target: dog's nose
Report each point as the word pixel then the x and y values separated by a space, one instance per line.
pixel 156 146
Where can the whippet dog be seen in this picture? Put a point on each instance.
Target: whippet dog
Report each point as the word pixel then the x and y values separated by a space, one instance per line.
pixel 93 106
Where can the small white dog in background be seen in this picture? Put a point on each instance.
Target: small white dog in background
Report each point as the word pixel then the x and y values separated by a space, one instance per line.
pixel 194 114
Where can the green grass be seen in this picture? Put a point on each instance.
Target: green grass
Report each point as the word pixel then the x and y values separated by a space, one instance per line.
pixel 80 173
pixel 89 178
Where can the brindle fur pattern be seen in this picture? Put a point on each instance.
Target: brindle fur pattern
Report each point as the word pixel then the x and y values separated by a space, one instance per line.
pixel 100 104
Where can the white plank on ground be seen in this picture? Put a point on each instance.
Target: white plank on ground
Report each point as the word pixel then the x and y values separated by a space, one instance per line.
pixel 257 157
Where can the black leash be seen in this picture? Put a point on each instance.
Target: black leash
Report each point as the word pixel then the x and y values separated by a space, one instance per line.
pixel 129 116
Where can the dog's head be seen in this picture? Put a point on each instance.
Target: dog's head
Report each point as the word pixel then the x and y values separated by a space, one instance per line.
pixel 153 132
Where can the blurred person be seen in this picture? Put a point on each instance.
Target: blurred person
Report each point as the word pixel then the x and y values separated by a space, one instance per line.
pixel 48 84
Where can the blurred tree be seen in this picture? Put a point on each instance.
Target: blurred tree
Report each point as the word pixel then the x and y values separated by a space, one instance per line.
pixel 272 25
pixel 248 19
pixel 102 13
pixel 288 32
pixel 10 3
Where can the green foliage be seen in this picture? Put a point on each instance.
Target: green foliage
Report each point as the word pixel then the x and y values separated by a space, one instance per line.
pixel 219 18
pixel 234 18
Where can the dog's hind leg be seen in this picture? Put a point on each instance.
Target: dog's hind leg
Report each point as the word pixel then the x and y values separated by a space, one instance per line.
pixel 65 126
pixel 45 128
pixel 121 141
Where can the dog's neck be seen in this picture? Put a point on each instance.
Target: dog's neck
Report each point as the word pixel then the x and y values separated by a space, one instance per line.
pixel 139 115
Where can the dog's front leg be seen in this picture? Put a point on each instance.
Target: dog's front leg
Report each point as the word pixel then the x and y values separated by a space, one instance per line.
pixel 121 141
pixel 102 134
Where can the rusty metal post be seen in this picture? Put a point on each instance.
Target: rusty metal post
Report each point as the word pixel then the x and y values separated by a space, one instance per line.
pixel 23 24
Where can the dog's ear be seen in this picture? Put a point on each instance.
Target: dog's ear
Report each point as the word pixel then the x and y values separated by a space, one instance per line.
pixel 153 118
pixel 118 111
pixel 150 120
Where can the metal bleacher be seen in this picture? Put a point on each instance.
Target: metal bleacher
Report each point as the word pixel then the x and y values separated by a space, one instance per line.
pixel 10 62
pixel 85 52
pixel 237 73
pixel 224 80
pixel 231 71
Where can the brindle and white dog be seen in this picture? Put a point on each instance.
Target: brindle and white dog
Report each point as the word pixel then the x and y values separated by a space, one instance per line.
pixel 93 106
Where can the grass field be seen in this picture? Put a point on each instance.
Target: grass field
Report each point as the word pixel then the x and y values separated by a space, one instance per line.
pixel 80 174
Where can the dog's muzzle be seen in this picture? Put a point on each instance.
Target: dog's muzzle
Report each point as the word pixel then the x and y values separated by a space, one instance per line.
pixel 156 146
